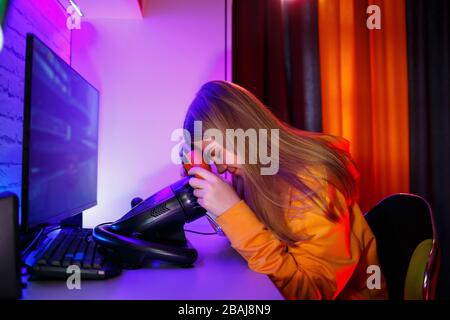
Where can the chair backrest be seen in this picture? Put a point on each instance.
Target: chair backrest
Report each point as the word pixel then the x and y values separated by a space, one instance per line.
pixel 400 223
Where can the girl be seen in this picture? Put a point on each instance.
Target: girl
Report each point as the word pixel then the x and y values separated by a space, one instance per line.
pixel 301 226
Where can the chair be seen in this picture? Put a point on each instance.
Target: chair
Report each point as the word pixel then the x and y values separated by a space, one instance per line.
pixel 407 245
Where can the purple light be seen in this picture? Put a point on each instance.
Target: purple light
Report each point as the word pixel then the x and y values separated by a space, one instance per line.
pixel 1 38
pixel 137 116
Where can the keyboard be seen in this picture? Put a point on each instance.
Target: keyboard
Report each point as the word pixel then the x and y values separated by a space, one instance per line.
pixel 67 247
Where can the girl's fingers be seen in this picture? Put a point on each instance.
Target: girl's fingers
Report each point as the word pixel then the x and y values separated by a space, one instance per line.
pixel 199 193
pixel 202 172
pixel 201 202
pixel 197 183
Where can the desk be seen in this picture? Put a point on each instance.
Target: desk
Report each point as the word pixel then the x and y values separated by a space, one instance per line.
pixel 219 273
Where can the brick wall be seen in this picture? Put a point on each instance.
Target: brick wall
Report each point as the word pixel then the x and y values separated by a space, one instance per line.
pixel 47 20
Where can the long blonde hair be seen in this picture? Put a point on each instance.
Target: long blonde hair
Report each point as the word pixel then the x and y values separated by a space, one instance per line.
pixel 224 105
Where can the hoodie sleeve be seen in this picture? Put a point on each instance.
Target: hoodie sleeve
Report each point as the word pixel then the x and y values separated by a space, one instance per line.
pixel 316 268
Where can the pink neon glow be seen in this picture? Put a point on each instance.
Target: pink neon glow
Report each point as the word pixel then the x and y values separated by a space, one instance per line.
pixel 147 71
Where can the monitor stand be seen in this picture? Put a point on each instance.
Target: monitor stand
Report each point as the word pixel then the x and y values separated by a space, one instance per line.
pixel 73 221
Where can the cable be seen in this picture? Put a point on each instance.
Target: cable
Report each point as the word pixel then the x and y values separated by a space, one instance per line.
pixel 42 232
pixel 50 230
pixel 202 233
pixel 32 243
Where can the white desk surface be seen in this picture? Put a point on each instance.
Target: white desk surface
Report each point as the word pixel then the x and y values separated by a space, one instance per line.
pixel 219 273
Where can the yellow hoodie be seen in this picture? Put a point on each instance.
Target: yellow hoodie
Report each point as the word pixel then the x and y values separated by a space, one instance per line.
pixel 331 264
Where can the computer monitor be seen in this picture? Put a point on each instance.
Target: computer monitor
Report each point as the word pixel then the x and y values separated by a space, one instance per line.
pixel 60 141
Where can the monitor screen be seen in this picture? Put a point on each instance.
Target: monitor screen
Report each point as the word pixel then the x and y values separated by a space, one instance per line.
pixel 60 139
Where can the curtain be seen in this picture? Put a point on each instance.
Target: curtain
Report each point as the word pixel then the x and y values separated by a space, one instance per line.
pixel 275 56
pixel 428 36
pixel 364 91
pixel 319 68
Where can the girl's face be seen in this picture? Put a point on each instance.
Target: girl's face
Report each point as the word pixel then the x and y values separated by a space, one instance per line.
pixel 223 159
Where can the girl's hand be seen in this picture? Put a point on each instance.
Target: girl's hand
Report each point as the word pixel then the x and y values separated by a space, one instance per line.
pixel 213 193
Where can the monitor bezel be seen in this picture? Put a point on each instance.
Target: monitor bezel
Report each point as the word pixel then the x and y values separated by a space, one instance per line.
pixel 24 221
